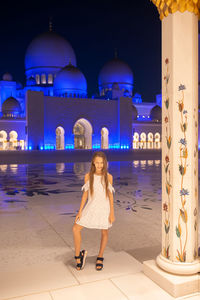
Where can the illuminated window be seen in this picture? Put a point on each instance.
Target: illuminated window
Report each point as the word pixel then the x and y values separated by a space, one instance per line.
pixel 37 79
pixel 43 79
pixel 50 79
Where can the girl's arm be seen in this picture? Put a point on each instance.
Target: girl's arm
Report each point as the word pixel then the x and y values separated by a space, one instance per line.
pixel 83 199
pixel 110 195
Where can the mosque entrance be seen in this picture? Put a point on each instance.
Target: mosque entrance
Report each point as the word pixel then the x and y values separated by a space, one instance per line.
pixel 13 140
pixel 3 140
pixel 82 134
pixel 104 138
pixel 60 138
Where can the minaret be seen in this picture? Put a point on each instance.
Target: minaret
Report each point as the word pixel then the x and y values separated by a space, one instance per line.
pixel 50 24
pixel 115 53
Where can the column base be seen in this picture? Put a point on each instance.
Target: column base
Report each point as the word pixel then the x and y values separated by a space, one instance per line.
pixel 175 285
pixel 178 268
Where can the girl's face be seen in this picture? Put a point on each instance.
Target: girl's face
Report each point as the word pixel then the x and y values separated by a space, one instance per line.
pixel 98 162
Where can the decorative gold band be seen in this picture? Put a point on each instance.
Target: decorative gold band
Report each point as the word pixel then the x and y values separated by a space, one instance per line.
pixel 166 7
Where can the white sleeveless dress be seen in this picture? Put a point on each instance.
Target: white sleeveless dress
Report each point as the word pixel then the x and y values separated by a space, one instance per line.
pixel 96 212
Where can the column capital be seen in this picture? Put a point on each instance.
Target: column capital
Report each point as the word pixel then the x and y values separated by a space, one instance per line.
pixel 166 7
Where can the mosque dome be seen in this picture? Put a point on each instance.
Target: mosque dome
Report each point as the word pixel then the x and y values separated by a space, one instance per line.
pixel 70 81
pixel 7 77
pixel 19 85
pixel 134 113
pixel 49 50
pixel 11 107
pixel 156 113
pixel 116 71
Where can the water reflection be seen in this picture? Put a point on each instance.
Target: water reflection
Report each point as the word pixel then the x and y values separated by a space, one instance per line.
pixel 150 162
pixel 157 162
pixel 60 168
pixel 143 164
pixel 81 168
pixel 136 163
pixel 3 168
pixel 14 168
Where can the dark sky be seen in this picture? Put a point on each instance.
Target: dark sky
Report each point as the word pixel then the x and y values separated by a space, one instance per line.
pixel 94 29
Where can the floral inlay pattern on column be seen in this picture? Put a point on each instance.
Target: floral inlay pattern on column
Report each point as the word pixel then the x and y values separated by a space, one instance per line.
pixel 167 126
pixel 181 228
pixel 195 213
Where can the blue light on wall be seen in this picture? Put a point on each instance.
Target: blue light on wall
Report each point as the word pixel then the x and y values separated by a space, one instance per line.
pixel 69 146
pixel 30 148
pixel 49 147
pixel 96 146
pixel 143 118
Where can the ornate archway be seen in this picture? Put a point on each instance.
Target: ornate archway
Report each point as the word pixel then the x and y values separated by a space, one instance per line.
pixel 60 138
pixel 82 131
pixel 104 138
pixel 13 140
pixel 3 140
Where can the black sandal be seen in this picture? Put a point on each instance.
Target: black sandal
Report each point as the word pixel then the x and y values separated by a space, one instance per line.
pixel 82 257
pixel 79 265
pixel 99 264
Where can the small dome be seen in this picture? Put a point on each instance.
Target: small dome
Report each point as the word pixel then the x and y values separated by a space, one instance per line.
pixel 7 77
pixel 70 80
pixel 49 50
pixel 19 85
pixel 134 113
pixel 116 71
pixel 156 113
pixel 11 106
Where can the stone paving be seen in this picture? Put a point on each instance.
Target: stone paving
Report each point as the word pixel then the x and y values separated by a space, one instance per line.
pixel 38 204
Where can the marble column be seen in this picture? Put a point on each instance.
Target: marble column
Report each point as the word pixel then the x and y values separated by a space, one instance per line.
pixel 179 137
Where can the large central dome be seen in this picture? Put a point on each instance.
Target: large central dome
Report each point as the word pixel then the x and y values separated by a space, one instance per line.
pixel 49 50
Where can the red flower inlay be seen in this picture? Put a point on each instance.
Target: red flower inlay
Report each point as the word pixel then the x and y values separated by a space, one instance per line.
pixel 165 207
pixel 167 159
pixel 166 119
pixel 166 60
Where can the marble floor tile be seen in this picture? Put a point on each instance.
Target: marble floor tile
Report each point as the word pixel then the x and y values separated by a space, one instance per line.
pixel 35 279
pixel 98 290
pixel 139 287
pixel 115 264
pixel 38 204
pixel 43 296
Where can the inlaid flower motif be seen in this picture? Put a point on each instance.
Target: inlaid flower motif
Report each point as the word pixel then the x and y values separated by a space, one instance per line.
pixel 166 61
pixel 167 103
pixel 183 142
pixel 181 87
pixel 169 141
pixel 166 119
pixel 185 112
pixel 168 187
pixel 180 105
pixel 165 207
pixel 167 158
pixel 184 192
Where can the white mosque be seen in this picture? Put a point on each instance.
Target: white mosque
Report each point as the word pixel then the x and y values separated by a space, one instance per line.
pixel 53 111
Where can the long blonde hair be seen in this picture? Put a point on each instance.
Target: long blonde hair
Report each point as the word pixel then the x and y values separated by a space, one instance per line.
pixel 104 178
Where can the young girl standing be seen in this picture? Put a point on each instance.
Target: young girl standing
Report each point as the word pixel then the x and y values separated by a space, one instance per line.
pixel 99 210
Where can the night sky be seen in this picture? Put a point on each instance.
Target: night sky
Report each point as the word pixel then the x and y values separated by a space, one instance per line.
pixel 94 29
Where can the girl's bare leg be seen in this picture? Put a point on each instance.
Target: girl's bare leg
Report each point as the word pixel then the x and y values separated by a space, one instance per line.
pixel 77 239
pixel 104 240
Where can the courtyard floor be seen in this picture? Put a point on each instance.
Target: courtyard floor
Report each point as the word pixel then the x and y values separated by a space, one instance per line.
pixel 38 204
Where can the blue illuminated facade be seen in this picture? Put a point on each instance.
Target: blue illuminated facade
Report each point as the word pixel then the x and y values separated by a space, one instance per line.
pixel 52 111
